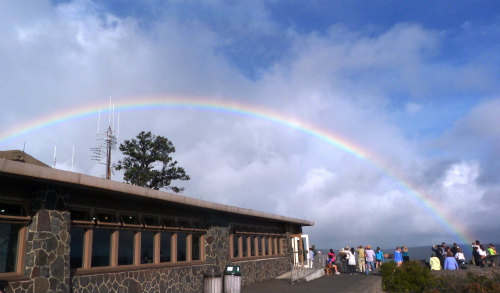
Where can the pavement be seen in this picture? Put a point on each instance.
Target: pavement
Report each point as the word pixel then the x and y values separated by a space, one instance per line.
pixel 331 283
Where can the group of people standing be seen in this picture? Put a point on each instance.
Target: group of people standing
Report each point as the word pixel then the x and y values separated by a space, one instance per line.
pixel 451 258
pixel 364 258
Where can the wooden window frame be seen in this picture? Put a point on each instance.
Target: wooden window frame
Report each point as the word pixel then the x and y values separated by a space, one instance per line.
pixel 90 225
pixel 18 273
pixel 274 242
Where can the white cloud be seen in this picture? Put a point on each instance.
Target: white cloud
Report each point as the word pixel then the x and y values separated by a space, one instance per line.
pixel 342 81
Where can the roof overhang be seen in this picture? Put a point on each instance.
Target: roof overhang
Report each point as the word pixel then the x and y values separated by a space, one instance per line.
pixel 40 173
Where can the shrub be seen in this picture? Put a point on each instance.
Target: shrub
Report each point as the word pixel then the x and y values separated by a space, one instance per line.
pixel 410 277
pixel 413 277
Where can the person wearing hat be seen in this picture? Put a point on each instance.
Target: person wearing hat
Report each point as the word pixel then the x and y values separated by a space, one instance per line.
pixel 361 258
pixel 344 256
pixel 370 259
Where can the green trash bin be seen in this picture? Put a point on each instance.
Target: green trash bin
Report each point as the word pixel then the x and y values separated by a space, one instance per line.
pixel 232 279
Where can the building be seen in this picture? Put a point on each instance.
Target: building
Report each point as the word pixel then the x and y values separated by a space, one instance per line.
pixel 68 232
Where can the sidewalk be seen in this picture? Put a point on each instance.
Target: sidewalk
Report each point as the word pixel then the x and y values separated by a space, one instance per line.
pixel 332 283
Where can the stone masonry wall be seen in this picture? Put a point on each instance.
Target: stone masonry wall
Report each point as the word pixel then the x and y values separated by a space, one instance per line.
pixel 175 279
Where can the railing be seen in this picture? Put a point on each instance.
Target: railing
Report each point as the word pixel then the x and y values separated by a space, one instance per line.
pixel 303 269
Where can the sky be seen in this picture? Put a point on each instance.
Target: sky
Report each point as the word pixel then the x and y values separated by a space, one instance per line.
pixel 413 86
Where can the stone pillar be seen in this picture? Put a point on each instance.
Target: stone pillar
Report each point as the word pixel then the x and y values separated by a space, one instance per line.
pixel 48 243
pixel 217 247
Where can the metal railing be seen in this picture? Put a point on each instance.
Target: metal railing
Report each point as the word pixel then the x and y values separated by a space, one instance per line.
pixel 303 269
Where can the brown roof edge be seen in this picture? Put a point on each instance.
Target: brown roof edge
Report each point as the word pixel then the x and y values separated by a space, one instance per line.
pixel 20 156
pixel 55 175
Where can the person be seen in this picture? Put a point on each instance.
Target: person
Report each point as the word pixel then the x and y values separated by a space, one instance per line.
pixel 331 255
pixel 434 262
pixel 398 257
pixel 454 249
pixel 379 257
pixel 460 256
pixel 450 263
pixel 361 258
pixel 482 252
pixel 330 263
pixel 370 258
pixel 474 244
pixel 311 257
pixel 351 261
pixel 491 252
pixel 476 256
pixel 406 256
pixel 343 258
pixel 439 250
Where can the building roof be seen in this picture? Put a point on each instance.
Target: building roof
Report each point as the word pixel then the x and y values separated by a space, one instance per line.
pixel 20 156
pixel 44 173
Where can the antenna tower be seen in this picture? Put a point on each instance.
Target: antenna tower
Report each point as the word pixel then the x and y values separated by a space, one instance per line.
pixel 107 141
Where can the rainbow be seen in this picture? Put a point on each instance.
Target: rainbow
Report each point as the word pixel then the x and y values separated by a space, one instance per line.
pixel 230 107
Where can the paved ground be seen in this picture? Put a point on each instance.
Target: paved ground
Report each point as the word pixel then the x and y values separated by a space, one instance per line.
pixel 332 283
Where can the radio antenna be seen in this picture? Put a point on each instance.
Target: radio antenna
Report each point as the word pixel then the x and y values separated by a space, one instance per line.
pixel 99 121
pixel 72 158
pixel 55 149
pixel 102 153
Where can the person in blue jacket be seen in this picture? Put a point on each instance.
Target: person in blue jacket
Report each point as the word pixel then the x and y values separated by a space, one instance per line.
pixel 398 257
pixel 450 263
pixel 379 257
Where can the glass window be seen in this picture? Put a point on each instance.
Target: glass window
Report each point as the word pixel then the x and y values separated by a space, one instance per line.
pixel 273 246
pixel 9 236
pixel 259 243
pixel 11 209
pixel 130 219
pixel 181 246
pixel 126 247
pixel 165 246
pixel 150 221
pixel 195 247
pixel 266 245
pixel 280 242
pixel 245 246
pixel 252 245
pixel 76 247
pixel 80 215
pixel 101 247
pixel 106 217
pixel 147 247
pixel 235 246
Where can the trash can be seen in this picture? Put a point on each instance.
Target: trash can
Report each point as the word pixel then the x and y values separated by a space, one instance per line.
pixel 232 279
pixel 212 282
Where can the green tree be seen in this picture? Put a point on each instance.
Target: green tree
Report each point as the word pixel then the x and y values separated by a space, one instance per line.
pixel 148 162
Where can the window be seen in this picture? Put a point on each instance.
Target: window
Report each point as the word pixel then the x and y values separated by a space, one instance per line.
pixel 236 252
pixel 147 238
pixel 181 246
pixel 9 237
pixel 165 246
pixel 259 243
pixel 126 247
pixel 252 246
pixel 195 247
pixel 244 245
pixel 101 247
pixel 76 247
pixel 116 239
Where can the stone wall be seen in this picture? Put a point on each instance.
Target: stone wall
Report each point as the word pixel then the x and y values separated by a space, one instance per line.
pixel 175 279
pixel 48 251
pixel 47 245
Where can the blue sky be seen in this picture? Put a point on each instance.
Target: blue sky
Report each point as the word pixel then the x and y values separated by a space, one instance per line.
pixel 413 82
